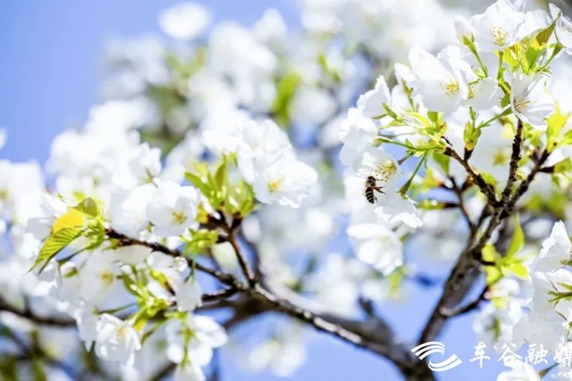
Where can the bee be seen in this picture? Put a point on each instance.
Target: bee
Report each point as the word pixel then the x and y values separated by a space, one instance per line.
pixel 370 188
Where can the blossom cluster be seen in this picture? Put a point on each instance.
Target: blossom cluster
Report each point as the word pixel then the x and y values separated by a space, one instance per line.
pixel 257 140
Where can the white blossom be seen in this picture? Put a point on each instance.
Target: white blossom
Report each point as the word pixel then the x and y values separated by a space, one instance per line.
pixel 498 27
pixel 172 208
pixel 188 294
pixel 188 371
pixel 555 251
pixel 116 340
pixel 206 334
pixel 356 132
pixel 184 21
pixel 442 81
pixel 378 246
pixel 563 27
pixel 519 371
pixel 128 209
pixel 285 181
pixel 370 104
pixel 530 100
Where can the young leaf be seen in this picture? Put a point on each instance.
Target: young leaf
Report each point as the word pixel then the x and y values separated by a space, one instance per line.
pixel 518 269
pixel 55 243
pixel 199 182
pixel 544 35
pixel 71 219
pixel 517 242
pixel 556 123
pixel 88 207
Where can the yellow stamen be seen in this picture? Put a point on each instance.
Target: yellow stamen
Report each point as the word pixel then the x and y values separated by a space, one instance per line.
pixel 451 88
pixel 179 217
pixel 499 35
pixel 521 104
pixel 274 185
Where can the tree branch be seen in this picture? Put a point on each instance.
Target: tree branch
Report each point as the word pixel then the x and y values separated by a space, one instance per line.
pixel 372 335
pixel 123 240
pixel 468 266
pixel 477 178
pixel 468 307
pixel 28 314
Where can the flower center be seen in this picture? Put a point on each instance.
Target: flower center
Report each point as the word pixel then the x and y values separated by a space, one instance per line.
pixel 178 217
pixel 451 88
pixel 4 194
pixel 521 104
pixel 473 90
pixel 122 334
pixel 499 35
pixel 274 185
pixel 107 278
pixel 384 171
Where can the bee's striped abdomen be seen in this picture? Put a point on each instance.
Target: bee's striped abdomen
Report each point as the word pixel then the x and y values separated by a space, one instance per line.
pixel 369 195
pixel 369 190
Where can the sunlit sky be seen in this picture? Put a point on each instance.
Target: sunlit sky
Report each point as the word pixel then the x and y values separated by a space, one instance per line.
pixel 50 70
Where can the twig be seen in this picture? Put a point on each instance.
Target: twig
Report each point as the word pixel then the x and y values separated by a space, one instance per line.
pixel 219 295
pixel 467 269
pixel 230 230
pixel 478 179
pixel 376 338
pixel 468 307
pixel 461 205
pixel 124 240
pixel 514 160
pixel 28 314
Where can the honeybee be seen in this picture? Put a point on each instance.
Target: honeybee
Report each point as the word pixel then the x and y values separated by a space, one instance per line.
pixel 370 188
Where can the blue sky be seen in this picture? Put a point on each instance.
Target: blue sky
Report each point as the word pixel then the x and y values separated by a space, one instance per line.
pixel 50 70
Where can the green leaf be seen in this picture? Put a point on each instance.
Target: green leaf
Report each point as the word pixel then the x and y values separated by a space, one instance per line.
pixel 518 269
pixel 489 253
pixel 434 117
pixel 443 161
pixel 88 207
pixel 489 179
pixel 510 57
pixel 471 136
pixel 199 182
pixel 286 88
pixel 201 240
pixel 505 100
pixel 517 241
pixel 556 123
pixel 544 35
pixel 55 243
pixel 531 56
pixel 220 180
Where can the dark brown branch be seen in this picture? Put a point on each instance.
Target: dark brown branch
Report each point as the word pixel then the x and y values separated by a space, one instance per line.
pixel 123 240
pixel 28 314
pixel 373 335
pixel 477 178
pixel 468 267
pixel 468 307
pixel 514 161
pixel 458 191
pixel 219 295
pixel 246 270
